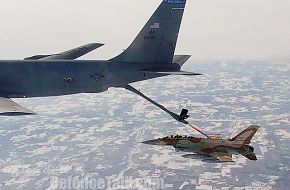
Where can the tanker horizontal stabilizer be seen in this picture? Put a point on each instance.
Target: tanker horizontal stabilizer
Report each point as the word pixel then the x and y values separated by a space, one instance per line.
pixel 68 55
pixel 181 59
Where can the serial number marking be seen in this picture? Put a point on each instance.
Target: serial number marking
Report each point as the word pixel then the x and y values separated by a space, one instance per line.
pixel 97 76
pixel 149 37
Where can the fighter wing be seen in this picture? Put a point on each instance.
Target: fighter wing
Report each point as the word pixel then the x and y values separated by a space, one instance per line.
pixel 222 156
pixel 10 108
pixel 68 55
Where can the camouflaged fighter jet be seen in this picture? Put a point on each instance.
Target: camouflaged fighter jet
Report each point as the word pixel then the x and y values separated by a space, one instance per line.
pixel 151 55
pixel 213 148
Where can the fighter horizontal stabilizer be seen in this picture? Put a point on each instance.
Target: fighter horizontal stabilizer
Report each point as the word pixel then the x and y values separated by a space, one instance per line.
pixel 180 59
pixel 68 55
pixel 172 73
pixel 10 108
pixel 248 152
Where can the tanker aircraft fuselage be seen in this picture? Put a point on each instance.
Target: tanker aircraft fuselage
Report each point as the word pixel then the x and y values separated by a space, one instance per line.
pixel 150 55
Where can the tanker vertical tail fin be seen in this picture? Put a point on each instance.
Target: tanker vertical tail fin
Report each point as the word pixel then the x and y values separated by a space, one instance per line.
pixel 157 40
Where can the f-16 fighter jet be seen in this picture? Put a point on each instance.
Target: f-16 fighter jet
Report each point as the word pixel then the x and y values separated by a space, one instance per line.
pixel 213 148
pixel 151 55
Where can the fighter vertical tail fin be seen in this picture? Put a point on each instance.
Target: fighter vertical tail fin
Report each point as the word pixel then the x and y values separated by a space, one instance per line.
pixel 246 135
pixel 157 40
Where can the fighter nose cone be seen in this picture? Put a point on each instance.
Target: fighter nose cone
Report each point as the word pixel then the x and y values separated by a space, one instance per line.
pixel 152 142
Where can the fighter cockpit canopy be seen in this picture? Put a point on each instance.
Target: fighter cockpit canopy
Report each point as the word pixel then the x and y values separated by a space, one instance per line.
pixel 176 137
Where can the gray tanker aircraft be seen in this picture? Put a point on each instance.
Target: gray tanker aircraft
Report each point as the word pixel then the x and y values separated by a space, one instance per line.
pixel 151 55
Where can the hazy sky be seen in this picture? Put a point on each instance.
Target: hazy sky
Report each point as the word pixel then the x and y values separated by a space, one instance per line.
pixel 211 28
